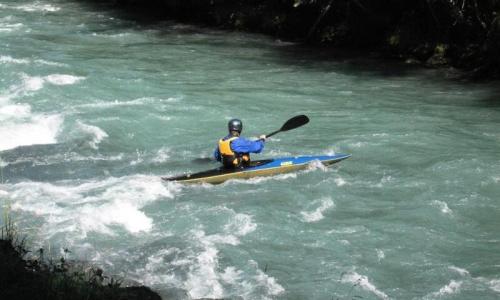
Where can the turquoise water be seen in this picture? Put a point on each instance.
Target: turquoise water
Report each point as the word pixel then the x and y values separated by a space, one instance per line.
pixel 94 108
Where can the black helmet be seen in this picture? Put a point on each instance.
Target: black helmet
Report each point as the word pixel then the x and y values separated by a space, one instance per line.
pixel 235 125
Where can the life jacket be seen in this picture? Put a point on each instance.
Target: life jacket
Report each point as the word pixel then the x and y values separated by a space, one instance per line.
pixel 231 159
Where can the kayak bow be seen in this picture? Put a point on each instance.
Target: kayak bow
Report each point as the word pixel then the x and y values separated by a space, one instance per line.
pixel 258 168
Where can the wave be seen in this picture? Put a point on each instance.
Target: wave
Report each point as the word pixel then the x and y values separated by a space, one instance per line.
pixel 10 60
pixel 494 285
pixel 443 207
pixel 195 264
pixel 204 280
pixel 317 214
pixel 339 181
pixel 75 209
pixel 162 155
pixel 135 102
pixel 6 59
pixel 37 129
pixel 453 287
pixel 241 225
pixel 63 79
pixel 8 27
pixel 30 84
pixel 363 282
pixel 37 7
pixel 460 271
pixel 259 180
pixel 96 134
pixel 22 127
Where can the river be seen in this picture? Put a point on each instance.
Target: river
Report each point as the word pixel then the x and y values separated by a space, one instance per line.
pixel 95 107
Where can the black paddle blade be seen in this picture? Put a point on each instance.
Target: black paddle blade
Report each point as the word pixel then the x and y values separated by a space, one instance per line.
pixel 295 122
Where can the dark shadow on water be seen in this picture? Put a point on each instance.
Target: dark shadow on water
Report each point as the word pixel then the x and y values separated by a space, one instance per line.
pixel 350 62
pixel 493 101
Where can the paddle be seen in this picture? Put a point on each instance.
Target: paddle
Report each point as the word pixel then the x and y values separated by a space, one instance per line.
pixel 292 123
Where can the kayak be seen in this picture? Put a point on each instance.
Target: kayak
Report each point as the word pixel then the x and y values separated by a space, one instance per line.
pixel 257 168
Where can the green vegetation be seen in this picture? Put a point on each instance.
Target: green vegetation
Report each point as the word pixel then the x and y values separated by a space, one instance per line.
pixel 461 33
pixel 37 279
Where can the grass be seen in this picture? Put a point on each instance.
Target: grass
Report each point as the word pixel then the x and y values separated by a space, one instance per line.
pixel 40 279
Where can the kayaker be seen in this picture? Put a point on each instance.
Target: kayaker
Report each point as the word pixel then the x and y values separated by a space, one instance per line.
pixel 233 150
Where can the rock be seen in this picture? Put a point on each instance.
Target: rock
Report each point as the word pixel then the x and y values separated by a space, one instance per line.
pixel 439 56
pixel 139 293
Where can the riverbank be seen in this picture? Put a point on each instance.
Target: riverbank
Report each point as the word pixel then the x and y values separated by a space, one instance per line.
pixel 437 34
pixel 38 279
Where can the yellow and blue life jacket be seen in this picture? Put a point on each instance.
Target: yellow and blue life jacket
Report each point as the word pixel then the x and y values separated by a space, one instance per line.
pixel 231 159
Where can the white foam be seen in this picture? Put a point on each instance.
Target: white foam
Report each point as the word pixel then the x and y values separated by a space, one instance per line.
pixel 27 85
pixel 380 254
pixel 494 285
pixel 258 286
pixel 268 283
pixel 140 159
pixel 331 151
pixel 203 280
pixel 49 63
pixel 227 239
pixel 451 288
pixel 135 102
pixel 37 7
pixel 31 83
pixel 97 206
pixel 358 144
pixel 442 206
pixel 348 230
pixel 152 273
pixel 231 275
pixel 38 129
pixel 10 60
pixel 317 214
pixel 23 127
pixel 117 35
pixel 118 212
pixel 315 165
pixel 10 27
pixel 162 155
pixel 259 180
pixel 14 111
pixel 460 271
pixel 35 83
pixel 63 79
pixel 339 181
pixel 96 133
pixel 240 225
pixel 196 269
pixel 364 283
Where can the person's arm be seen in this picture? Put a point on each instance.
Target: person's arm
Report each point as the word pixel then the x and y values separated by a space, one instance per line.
pixel 243 145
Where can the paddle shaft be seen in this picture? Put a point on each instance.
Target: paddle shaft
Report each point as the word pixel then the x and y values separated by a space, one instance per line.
pixel 272 133
pixel 292 123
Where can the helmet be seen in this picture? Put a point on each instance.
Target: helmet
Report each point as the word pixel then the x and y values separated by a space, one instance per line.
pixel 235 125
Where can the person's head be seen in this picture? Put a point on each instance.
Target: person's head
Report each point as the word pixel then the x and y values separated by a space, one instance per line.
pixel 235 126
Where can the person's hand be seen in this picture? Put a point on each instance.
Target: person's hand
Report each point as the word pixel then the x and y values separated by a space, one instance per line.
pixel 262 137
